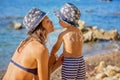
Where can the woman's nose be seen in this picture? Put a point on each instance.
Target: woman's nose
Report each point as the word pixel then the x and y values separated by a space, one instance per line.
pixel 50 21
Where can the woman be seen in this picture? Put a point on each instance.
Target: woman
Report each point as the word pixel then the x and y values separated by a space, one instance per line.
pixel 30 60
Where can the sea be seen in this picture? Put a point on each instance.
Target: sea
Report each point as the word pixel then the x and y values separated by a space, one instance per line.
pixel 103 14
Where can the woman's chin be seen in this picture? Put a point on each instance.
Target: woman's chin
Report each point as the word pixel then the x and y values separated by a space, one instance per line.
pixel 51 31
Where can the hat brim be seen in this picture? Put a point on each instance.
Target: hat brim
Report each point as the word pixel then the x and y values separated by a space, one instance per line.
pixel 35 25
pixel 59 15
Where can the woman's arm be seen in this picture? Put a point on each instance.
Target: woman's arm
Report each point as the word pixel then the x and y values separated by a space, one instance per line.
pixel 42 64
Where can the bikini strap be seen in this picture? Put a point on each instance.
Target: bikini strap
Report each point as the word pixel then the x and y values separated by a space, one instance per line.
pixel 33 71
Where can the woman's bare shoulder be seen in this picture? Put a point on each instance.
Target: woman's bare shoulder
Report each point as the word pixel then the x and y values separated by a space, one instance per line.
pixel 36 48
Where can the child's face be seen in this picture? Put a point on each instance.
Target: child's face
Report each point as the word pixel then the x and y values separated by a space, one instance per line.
pixel 62 23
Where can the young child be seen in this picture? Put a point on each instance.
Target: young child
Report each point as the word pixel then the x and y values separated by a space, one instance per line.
pixel 73 66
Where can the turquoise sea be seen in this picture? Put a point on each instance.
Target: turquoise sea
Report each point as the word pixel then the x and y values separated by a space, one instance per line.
pixel 94 12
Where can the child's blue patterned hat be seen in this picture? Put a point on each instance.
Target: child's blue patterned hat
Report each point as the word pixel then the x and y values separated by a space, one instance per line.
pixel 33 18
pixel 69 13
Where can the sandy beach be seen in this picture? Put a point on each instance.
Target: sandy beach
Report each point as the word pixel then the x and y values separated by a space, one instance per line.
pixel 91 62
pixel 99 21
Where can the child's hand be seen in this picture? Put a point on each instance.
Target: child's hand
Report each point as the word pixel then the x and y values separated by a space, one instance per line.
pixel 56 63
pixel 52 59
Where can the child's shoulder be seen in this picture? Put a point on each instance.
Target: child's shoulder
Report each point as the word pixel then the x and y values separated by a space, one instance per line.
pixel 63 32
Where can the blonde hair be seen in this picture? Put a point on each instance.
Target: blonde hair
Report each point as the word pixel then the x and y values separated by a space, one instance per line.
pixel 40 34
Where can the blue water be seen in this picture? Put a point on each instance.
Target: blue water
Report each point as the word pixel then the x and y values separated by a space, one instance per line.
pixel 93 12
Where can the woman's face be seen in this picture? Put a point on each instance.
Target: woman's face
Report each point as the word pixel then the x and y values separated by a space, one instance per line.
pixel 47 24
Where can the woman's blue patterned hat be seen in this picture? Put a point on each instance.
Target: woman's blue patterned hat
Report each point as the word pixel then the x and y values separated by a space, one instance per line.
pixel 33 18
pixel 69 13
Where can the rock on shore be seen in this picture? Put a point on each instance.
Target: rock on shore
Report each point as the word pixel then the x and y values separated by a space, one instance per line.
pixel 92 33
